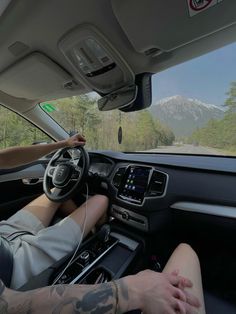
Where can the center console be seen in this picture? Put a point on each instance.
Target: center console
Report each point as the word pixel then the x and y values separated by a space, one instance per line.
pixel 103 257
pixel 100 260
pixel 134 187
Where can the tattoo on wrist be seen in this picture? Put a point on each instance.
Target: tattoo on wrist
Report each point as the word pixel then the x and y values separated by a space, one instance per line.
pixel 59 290
pixel 123 290
pixel 98 300
pixel 123 295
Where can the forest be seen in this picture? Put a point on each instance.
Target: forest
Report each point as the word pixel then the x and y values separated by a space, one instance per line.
pixel 220 134
pixel 16 131
pixel 141 131
pixel 80 113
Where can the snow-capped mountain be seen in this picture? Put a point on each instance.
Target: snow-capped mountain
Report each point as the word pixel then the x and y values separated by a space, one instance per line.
pixel 184 115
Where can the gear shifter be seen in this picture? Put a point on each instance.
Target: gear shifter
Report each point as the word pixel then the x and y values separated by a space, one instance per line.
pixel 84 258
pixel 103 234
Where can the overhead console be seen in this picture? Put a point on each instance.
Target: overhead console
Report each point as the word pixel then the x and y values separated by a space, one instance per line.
pixel 96 62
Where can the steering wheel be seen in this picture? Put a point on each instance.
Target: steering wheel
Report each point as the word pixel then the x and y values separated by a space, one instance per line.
pixel 61 177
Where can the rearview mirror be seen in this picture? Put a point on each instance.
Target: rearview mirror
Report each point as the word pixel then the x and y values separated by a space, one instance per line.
pixel 118 99
pixel 143 99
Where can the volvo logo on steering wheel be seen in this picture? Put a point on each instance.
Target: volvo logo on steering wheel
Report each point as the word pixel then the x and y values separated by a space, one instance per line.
pixel 60 171
pixel 62 175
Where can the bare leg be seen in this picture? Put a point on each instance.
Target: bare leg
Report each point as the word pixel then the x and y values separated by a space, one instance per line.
pixel 44 209
pixel 68 207
pixel 96 209
pixel 185 260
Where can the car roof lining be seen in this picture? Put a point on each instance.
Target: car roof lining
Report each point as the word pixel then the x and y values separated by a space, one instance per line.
pixel 168 25
pixel 40 25
pixel 3 6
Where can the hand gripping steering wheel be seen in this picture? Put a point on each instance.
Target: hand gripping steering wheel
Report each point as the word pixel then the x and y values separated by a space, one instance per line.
pixel 62 178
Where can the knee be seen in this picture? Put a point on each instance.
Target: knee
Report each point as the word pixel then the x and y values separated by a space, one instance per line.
pixel 185 248
pixel 103 202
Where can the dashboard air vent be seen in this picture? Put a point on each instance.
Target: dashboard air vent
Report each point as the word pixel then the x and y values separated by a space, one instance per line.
pixel 157 184
pixel 117 179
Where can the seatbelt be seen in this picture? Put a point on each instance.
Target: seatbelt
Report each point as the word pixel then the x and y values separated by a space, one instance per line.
pixel 6 261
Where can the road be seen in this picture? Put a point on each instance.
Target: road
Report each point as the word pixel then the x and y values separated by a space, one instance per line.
pixel 186 149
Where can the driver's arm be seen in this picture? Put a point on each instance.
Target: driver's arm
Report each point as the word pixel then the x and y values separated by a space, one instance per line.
pixel 17 156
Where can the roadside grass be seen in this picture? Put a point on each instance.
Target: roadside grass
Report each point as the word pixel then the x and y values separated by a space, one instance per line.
pixel 227 152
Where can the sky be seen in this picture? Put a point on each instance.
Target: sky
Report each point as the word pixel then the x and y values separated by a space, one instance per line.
pixel 206 78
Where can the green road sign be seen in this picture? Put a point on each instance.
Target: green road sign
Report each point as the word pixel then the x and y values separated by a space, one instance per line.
pixel 48 107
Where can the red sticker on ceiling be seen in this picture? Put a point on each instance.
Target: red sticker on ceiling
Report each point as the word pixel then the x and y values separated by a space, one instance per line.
pixel 197 6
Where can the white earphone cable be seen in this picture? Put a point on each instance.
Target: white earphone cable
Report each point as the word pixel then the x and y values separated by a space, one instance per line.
pixel 78 245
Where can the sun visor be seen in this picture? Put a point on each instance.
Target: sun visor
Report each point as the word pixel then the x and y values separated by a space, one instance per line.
pixel 35 77
pixel 165 25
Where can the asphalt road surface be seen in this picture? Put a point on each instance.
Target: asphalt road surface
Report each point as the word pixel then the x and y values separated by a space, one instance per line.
pixel 186 149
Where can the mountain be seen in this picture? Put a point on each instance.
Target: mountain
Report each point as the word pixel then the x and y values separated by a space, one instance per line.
pixel 184 115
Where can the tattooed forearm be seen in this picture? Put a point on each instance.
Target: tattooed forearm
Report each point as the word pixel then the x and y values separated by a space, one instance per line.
pixel 83 299
pixel 101 299
pixel 97 300
pixel 14 302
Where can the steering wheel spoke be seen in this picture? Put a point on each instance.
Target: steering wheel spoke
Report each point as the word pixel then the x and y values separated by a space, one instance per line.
pixel 57 191
pixel 77 173
pixel 51 170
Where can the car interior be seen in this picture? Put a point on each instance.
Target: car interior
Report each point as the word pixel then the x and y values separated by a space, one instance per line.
pixel 56 49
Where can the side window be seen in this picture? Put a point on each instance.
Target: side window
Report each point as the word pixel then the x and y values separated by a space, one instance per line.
pixel 16 131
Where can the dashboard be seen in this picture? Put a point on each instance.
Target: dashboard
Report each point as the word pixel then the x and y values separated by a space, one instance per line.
pixel 145 188
pixel 100 165
pixel 158 199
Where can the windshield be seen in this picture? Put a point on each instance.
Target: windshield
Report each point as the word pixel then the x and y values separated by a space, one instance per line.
pixel 193 111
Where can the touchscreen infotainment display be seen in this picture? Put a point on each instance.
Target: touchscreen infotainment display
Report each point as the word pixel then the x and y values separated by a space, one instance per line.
pixel 135 184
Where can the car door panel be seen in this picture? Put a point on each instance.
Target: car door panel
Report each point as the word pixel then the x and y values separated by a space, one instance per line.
pixel 19 186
